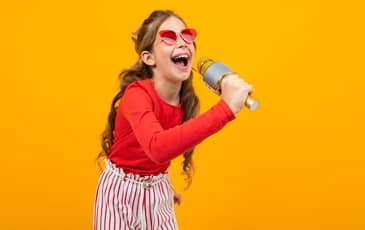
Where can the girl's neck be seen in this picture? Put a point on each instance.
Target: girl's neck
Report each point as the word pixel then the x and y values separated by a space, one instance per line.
pixel 167 90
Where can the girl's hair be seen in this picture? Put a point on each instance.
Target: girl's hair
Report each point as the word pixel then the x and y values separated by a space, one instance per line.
pixel 143 39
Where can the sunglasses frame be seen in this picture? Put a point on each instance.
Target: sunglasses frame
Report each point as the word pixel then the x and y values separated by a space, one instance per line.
pixel 181 34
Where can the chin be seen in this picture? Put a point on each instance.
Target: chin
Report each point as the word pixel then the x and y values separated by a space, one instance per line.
pixel 183 76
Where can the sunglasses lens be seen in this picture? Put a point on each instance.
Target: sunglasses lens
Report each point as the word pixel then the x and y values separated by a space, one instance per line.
pixel 188 35
pixel 168 36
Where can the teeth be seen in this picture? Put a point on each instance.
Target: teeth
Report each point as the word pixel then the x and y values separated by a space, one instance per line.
pixel 181 56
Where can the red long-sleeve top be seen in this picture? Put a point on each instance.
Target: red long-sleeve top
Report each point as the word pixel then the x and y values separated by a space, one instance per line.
pixel 149 132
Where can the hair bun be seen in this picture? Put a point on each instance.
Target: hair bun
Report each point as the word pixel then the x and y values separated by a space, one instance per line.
pixel 134 36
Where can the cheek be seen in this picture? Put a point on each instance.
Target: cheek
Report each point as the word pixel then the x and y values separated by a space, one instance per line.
pixel 192 49
pixel 164 53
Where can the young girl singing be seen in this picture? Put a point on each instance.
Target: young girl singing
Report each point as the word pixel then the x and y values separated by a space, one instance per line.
pixel 153 119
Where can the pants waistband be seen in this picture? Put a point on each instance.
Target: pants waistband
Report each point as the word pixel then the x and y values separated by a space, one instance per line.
pixel 146 181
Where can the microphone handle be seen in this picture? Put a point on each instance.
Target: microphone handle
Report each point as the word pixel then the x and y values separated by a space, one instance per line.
pixel 250 102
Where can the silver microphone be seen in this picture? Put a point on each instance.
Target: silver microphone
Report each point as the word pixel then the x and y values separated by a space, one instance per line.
pixel 213 73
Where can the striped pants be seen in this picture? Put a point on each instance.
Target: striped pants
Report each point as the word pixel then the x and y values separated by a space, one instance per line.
pixel 128 201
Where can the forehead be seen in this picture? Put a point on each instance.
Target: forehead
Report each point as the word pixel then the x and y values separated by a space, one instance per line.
pixel 172 23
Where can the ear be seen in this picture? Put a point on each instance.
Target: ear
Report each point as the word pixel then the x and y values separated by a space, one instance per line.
pixel 148 58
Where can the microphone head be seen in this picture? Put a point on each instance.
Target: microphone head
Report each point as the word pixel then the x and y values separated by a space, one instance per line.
pixel 212 72
pixel 203 65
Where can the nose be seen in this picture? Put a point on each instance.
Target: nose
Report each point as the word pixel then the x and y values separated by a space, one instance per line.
pixel 180 42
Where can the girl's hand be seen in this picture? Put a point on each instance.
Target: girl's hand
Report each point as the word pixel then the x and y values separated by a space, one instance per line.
pixel 177 198
pixel 235 91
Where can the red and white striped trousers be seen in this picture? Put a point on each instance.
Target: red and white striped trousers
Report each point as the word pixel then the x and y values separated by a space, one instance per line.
pixel 128 201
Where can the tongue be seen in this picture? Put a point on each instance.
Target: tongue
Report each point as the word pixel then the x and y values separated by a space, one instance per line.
pixel 180 63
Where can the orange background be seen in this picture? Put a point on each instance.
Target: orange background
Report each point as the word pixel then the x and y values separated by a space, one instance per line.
pixel 295 163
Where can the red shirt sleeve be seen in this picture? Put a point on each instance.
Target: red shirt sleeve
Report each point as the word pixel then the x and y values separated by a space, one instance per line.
pixel 162 145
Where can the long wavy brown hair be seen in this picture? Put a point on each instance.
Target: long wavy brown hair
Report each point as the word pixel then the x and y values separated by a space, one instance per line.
pixel 143 39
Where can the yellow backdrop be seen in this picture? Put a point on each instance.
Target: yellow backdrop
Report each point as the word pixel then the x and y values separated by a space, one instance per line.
pixel 295 163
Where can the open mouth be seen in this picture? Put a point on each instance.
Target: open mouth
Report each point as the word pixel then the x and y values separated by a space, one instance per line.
pixel 181 60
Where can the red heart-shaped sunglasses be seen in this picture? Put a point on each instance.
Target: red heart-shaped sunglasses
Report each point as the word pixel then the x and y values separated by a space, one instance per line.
pixel 170 36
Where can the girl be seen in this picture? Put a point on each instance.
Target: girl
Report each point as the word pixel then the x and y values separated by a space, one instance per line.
pixel 152 121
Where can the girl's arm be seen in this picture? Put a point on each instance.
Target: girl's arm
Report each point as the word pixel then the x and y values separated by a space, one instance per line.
pixel 164 145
